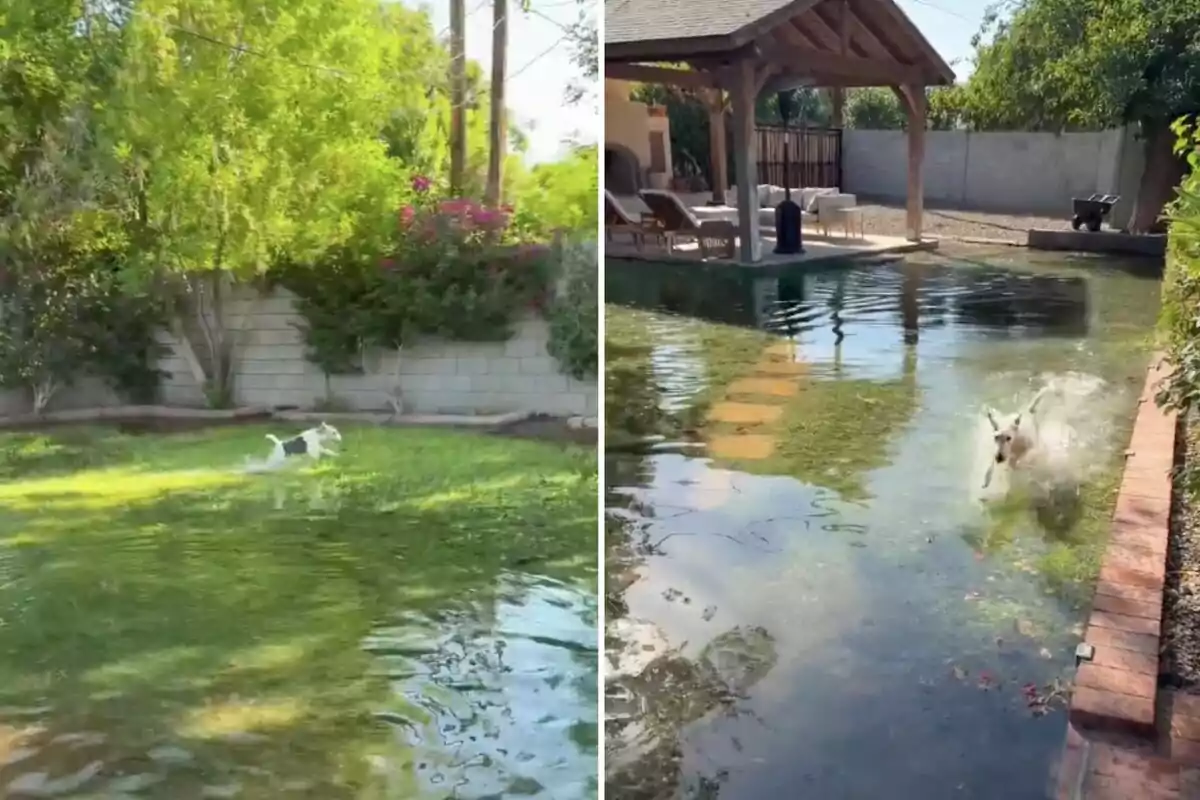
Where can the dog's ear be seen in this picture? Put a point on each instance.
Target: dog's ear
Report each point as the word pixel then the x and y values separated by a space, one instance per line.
pixel 991 415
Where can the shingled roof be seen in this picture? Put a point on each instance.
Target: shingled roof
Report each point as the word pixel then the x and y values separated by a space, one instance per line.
pixel 651 20
pixel 874 33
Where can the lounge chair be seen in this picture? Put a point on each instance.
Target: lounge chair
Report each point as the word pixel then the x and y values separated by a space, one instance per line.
pixel 716 237
pixel 618 220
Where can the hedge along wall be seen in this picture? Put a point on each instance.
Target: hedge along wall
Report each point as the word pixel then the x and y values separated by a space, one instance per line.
pixel 435 376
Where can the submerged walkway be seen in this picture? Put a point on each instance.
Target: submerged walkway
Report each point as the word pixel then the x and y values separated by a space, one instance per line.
pixel 754 402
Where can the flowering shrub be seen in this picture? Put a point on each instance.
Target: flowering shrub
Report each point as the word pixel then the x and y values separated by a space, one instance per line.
pixel 451 268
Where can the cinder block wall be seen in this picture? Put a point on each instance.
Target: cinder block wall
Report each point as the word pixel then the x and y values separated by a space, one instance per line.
pixel 1005 172
pixel 435 376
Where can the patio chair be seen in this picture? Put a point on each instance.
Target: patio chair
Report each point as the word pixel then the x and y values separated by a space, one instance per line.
pixel 717 238
pixel 618 220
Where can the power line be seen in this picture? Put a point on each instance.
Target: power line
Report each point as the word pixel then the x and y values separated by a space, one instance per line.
pixel 539 56
pixel 947 11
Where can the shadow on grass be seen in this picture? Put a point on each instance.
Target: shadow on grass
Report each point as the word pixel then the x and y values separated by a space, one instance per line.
pixel 193 638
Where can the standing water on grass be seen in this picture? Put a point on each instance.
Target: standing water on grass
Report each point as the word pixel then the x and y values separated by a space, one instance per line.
pixel 418 622
pixel 810 594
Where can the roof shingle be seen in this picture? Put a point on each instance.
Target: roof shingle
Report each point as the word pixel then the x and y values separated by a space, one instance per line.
pixel 654 20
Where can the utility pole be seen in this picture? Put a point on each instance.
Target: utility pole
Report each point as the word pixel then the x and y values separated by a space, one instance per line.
pixel 499 130
pixel 458 95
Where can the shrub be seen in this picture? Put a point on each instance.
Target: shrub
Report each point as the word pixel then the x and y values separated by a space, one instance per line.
pixel 1180 317
pixel 451 269
pixel 66 310
pixel 573 314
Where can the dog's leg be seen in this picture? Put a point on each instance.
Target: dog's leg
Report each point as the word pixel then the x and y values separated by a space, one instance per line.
pixel 987 478
pixel 279 497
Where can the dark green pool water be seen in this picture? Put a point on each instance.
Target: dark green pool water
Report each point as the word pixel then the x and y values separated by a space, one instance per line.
pixel 813 601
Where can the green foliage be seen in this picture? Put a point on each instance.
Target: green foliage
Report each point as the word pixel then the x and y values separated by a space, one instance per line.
pixel 558 196
pixel 450 270
pixel 573 314
pixel 1059 65
pixel 217 139
pixel 1180 318
pixel 810 106
pixel 585 51
pixel 687 116
pixel 946 107
pixel 66 311
pixel 874 108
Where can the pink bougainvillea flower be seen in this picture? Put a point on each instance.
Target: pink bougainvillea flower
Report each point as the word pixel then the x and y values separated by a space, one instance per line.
pixel 388 264
pixel 420 184
pixel 455 208
pixel 407 215
pixel 483 217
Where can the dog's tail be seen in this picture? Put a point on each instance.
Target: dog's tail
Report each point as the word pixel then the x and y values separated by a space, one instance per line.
pixel 274 438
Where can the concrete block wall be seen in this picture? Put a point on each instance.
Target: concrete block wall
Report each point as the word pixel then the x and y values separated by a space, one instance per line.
pixel 435 376
pixel 1005 172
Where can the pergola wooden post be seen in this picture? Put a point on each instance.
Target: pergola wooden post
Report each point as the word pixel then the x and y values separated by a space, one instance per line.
pixel 716 146
pixel 743 93
pixel 914 102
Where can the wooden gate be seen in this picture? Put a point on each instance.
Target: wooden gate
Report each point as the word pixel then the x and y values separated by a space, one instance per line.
pixel 815 156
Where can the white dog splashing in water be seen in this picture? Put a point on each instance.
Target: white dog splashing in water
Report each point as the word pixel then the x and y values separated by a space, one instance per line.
pixel 315 443
pixel 1015 436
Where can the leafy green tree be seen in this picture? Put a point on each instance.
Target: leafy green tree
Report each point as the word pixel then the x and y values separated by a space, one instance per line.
pixel 253 134
pixel 558 196
pixel 874 108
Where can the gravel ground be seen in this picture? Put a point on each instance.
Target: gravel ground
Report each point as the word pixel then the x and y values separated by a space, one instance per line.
pixel 889 220
pixel 1181 606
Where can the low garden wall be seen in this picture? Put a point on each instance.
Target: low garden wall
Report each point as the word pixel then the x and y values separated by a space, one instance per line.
pixel 436 377
pixel 274 366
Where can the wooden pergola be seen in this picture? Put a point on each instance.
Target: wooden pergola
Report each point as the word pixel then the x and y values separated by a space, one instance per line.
pixel 746 47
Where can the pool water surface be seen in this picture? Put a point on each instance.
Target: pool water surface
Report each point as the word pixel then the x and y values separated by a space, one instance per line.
pixel 808 595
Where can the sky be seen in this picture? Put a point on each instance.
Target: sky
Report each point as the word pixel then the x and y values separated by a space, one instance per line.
pixel 949 26
pixel 539 69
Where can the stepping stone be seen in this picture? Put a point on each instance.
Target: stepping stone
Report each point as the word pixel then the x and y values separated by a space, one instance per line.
pixel 747 447
pixel 792 368
pixel 744 413
pixel 766 386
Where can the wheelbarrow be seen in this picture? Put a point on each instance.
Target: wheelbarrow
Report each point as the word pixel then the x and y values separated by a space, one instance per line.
pixel 1090 213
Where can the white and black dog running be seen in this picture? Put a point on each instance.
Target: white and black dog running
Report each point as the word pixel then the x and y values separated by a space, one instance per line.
pixel 314 443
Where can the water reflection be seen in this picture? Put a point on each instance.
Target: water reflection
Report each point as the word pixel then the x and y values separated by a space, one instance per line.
pixel 495 697
pixel 795 484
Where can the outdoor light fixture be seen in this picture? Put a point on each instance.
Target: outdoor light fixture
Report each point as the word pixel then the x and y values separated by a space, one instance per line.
pixel 788 237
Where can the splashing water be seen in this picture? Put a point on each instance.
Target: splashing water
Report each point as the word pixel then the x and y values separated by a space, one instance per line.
pixel 1073 427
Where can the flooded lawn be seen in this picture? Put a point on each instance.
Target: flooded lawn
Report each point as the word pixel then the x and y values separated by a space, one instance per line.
pixel 810 595
pixel 417 621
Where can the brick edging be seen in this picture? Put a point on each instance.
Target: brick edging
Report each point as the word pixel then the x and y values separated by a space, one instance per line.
pixel 1118 688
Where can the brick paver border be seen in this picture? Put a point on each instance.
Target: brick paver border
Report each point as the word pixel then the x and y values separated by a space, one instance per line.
pixel 1118 688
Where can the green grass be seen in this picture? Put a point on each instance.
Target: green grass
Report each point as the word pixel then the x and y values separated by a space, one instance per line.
pixel 632 400
pixel 150 591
